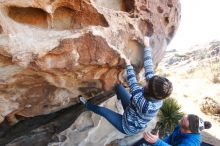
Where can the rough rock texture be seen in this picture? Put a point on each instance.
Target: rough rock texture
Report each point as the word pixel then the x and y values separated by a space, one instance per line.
pixel 40 130
pixel 52 51
pixel 92 130
pixel 87 130
pixel 210 106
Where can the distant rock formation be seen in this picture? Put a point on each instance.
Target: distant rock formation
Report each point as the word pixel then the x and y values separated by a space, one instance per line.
pixel 198 57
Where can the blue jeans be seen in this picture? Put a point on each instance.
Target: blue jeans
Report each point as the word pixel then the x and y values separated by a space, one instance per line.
pixel 114 118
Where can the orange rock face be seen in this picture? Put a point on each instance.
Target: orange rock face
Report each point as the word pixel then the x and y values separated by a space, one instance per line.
pixel 52 51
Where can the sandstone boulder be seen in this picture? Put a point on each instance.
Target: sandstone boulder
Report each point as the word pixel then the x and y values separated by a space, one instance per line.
pixel 52 51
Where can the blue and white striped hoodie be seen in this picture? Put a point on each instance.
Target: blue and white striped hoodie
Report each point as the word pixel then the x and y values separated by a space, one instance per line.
pixel 140 111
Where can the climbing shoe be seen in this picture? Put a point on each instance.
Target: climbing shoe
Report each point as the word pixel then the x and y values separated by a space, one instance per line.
pixel 82 99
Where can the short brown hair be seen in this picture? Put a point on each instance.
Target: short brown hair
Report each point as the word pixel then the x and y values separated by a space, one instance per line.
pixel 160 87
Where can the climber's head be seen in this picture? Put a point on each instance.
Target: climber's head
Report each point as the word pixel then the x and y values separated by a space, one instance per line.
pixel 158 87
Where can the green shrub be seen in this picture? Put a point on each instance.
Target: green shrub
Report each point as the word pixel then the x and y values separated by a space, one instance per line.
pixel 169 116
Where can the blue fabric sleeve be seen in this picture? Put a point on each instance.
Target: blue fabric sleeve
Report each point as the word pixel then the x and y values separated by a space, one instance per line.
pixel 161 143
pixel 135 89
pixel 168 139
pixel 148 63
pixel 132 80
pixel 138 99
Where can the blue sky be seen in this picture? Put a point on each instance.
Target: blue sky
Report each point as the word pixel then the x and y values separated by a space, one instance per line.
pixel 200 23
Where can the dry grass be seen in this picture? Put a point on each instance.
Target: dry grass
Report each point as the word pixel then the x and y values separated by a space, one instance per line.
pixel 214 67
pixel 208 68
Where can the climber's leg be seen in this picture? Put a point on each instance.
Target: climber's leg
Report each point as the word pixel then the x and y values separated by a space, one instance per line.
pixel 123 94
pixel 114 118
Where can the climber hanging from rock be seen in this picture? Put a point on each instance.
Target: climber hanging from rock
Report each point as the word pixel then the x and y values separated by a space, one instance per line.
pixel 142 103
